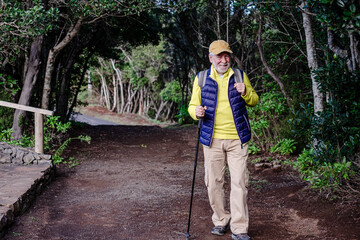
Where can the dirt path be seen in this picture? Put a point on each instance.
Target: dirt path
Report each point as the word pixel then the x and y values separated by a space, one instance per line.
pixel 134 182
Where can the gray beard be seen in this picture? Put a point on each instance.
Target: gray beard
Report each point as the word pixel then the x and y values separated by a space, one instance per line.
pixel 220 71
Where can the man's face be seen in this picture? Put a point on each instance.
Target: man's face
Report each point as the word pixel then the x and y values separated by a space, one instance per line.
pixel 221 62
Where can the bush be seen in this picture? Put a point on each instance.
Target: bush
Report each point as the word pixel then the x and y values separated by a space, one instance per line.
pixel 54 134
pixel 57 157
pixel 284 147
pixel 336 129
pixel 322 175
pixel 8 88
pixel 253 148
pixel 183 116
pixel 334 133
pixel 266 119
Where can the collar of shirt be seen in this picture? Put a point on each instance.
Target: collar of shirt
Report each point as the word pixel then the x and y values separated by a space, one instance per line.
pixel 214 74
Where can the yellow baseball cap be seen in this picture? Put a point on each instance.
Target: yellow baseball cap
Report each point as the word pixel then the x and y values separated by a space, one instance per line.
pixel 219 46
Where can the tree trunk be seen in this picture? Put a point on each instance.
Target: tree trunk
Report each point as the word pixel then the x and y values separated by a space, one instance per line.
pixel 115 98
pixel 29 83
pixel 62 102
pixel 118 75
pixel 141 102
pixel 355 53
pixel 136 102
pixel 161 107
pixel 267 67
pixel 218 32
pixel 337 50
pixel 51 62
pixel 131 96
pixel 169 111
pixel 312 59
pixel 89 85
pixel 105 90
pixel 78 88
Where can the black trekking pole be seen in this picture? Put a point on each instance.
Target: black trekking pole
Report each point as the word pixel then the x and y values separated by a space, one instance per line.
pixel 187 234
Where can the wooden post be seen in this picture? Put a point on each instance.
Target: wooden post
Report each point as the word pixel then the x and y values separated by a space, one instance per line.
pixel 39 133
pixel 39 122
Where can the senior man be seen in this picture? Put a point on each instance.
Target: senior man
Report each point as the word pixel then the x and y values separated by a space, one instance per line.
pixel 221 99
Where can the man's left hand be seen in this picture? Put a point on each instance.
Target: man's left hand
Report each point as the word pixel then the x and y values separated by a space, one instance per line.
pixel 240 88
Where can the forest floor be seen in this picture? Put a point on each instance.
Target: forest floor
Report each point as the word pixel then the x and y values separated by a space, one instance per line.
pixel 134 182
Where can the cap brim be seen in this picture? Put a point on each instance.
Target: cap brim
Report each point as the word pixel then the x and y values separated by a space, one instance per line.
pixel 221 50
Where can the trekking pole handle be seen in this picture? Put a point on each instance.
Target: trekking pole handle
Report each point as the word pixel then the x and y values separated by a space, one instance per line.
pixel 201 119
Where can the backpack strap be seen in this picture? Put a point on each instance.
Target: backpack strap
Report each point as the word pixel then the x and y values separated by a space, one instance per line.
pixel 203 74
pixel 238 75
pixel 202 78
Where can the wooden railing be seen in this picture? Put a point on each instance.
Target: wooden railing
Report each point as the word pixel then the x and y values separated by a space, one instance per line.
pixel 39 122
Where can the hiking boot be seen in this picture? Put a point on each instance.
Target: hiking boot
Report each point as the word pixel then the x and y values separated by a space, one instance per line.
pixel 241 236
pixel 220 230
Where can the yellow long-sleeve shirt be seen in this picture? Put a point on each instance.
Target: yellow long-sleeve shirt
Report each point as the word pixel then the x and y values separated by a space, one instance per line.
pixel 224 122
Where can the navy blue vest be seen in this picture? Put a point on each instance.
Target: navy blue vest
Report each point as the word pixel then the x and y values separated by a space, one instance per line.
pixel 209 95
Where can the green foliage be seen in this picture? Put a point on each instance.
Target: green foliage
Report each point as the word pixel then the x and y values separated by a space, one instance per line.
pixel 322 175
pixel 253 148
pixel 54 134
pixel 301 122
pixel 171 92
pixel 6 119
pixel 8 88
pixel 284 146
pixel 25 141
pixel 339 15
pixel 21 23
pixel 183 115
pixel 95 8
pixel 337 128
pixel 147 62
pixel 57 157
pixel 334 132
pixel 266 118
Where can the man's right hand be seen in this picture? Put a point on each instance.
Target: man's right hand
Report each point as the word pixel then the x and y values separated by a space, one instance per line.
pixel 200 111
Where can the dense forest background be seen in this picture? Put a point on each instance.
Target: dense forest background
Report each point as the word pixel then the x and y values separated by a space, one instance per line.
pixel 137 56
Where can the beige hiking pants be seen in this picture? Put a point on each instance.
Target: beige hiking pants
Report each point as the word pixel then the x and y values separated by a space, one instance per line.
pixel 216 157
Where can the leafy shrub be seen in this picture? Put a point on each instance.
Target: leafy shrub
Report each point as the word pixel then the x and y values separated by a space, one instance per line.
pixel 334 132
pixel 171 92
pixel 266 119
pixel 253 148
pixel 183 116
pixel 54 134
pixel 57 157
pixel 25 141
pixel 337 128
pixel 284 147
pixel 8 88
pixel 322 175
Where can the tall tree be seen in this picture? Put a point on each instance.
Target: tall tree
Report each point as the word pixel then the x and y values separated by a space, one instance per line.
pixel 26 22
pixel 82 13
pixel 312 57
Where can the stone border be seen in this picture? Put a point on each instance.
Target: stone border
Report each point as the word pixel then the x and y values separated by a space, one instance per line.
pixel 26 174
pixel 20 155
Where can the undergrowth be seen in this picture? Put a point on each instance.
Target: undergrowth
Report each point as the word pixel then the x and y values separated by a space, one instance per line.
pixel 56 139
